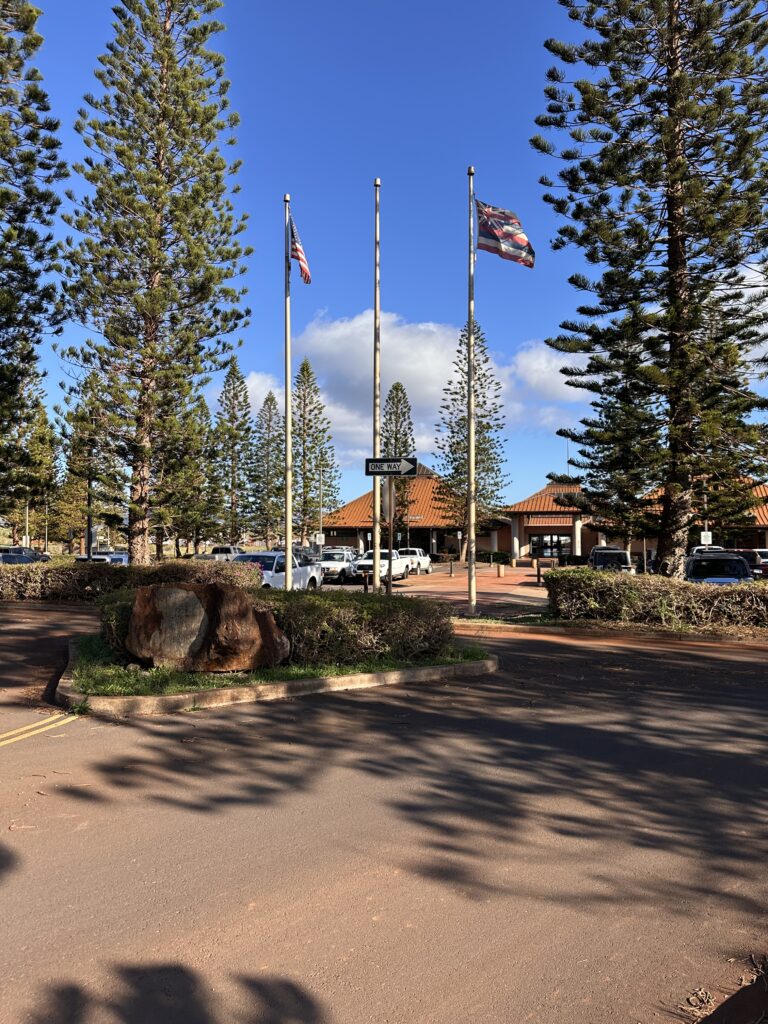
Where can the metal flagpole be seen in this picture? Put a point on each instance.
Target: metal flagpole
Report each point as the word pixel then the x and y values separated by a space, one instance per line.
pixel 376 389
pixel 471 501
pixel 288 423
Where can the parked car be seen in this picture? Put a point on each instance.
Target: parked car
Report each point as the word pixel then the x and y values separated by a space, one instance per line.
pixel 718 567
pixel 15 559
pixel 226 552
pixel 337 566
pixel 20 549
pixel 701 548
pixel 420 561
pixel 611 559
pixel 306 575
pixel 400 566
pixel 97 556
pixel 758 565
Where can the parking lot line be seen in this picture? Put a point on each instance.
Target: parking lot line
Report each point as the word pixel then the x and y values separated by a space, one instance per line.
pixel 61 720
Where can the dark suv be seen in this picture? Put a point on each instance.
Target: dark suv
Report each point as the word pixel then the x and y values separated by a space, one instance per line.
pixel 718 567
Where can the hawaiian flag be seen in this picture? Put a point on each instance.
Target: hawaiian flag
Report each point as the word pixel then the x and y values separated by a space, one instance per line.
pixel 297 253
pixel 500 231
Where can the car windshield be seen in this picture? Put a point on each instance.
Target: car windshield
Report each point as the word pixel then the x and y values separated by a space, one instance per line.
pixel 333 556
pixel 704 569
pixel 265 560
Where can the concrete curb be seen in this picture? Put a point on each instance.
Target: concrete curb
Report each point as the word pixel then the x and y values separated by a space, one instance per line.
pixel 131 707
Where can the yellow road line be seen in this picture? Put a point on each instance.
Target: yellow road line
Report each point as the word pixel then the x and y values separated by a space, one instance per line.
pixel 29 735
pixel 32 725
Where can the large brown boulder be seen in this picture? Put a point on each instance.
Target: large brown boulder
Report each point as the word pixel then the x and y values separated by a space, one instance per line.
pixel 203 627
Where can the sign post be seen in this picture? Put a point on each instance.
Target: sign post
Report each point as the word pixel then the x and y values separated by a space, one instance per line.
pixel 390 468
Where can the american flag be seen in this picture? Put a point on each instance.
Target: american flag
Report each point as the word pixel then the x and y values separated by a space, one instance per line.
pixel 500 231
pixel 297 253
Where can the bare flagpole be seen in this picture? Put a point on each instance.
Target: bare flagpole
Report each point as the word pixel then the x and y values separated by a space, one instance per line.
pixel 471 495
pixel 288 422
pixel 376 388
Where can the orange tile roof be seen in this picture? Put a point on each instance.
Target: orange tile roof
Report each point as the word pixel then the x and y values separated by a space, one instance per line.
pixel 544 501
pixel 424 511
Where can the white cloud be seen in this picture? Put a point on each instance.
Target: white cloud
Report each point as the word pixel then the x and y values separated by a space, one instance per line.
pixel 259 385
pixel 420 356
pixel 537 368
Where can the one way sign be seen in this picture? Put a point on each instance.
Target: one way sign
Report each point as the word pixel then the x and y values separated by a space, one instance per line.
pixel 391 467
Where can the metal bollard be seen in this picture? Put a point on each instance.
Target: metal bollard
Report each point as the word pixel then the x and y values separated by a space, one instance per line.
pixel 365 584
pixel 538 574
pixel 450 570
pixel 499 569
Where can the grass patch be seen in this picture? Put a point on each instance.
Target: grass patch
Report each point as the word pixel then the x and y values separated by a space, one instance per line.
pixel 100 671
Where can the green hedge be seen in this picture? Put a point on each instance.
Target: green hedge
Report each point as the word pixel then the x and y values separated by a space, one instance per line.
pixel 497 557
pixel 331 628
pixel 656 600
pixel 43 581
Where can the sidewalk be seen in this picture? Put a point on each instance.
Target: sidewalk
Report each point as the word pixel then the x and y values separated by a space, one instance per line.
pixel 514 592
pixel 32 658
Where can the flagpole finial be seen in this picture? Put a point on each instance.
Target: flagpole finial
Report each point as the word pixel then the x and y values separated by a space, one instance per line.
pixel 287 197
pixel 470 170
pixel 377 182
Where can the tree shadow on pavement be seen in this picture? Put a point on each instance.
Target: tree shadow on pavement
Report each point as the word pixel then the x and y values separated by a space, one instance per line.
pixel 8 860
pixel 174 994
pixel 576 755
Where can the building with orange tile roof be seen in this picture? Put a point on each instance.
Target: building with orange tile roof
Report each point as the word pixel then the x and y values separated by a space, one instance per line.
pixel 539 526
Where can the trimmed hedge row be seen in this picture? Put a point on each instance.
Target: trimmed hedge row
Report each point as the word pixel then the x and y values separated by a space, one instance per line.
pixel 47 581
pixel 655 600
pixel 330 628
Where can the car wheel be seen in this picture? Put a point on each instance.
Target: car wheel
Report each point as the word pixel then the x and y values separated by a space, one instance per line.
pixel 428 570
pixel 342 578
pixel 266 586
pixel 312 584
pixel 417 570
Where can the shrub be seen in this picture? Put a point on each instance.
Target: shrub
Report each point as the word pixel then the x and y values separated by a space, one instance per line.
pixel 655 600
pixel 497 557
pixel 46 581
pixel 330 628
pixel 342 629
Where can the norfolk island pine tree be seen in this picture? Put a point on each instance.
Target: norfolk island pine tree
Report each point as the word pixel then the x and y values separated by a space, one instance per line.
pixel 663 186
pixel 152 269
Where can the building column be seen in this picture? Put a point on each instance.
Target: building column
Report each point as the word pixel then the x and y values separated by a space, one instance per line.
pixel 494 540
pixel 514 529
pixel 433 542
pixel 577 524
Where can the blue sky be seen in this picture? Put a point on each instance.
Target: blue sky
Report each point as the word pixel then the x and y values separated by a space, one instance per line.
pixel 331 96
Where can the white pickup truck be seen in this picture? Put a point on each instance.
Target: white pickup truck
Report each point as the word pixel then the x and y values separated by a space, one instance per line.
pixel 400 566
pixel 420 561
pixel 306 575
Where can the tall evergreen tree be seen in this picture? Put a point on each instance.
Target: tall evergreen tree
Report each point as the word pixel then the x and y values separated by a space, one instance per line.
pixel 619 453
pixel 268 472
pixel 451 438
pixel 663 186
pixel 90 464
pixel 33 484
pixel 313 453
pixel 152 272
pixel 190 499
pixel 397 439
pixel 29 168
pixel 234 452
